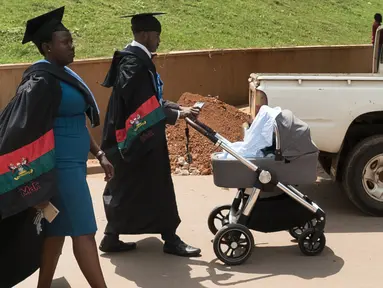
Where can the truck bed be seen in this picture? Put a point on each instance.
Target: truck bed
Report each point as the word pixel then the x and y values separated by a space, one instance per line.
pixel 319 77
pixel 328 103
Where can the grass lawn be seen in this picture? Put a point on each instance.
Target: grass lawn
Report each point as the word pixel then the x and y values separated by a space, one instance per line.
pixel 193 24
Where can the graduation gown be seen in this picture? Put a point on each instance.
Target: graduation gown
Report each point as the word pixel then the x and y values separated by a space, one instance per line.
pixel 140 199
pixel 27 165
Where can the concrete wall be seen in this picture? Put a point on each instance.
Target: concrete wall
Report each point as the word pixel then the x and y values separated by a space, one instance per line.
pixel 219 72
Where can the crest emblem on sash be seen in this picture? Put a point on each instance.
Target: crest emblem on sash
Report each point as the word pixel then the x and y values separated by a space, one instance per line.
pixel 137 122
pixel 20 169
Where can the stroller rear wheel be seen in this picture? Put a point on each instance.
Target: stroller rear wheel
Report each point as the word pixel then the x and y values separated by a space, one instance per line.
pixel 296 232
pixel 233 244
pixel 310 246
pixel 218 218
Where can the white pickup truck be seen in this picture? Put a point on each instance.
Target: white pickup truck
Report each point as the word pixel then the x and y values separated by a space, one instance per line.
pixel 345 115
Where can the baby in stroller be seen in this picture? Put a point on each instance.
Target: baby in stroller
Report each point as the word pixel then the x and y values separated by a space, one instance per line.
pixel 280 151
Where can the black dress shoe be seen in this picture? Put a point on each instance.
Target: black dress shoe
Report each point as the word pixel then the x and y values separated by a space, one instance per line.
pixel 181 249
pixel 111 244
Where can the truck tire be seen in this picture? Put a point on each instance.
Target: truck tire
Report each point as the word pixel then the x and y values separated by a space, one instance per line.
pixel 363 175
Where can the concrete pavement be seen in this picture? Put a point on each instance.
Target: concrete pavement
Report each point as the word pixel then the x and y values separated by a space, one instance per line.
pixel 352 258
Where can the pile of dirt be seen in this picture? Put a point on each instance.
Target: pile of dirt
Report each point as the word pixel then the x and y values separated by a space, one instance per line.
pixel 223 118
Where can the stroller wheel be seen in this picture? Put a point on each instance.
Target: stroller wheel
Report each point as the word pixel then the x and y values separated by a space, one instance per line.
pixel 233 244
pixel 218 218
pixel 296 232
pixel 310 246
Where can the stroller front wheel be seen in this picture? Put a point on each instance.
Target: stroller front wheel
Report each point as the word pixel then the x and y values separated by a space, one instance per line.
pixel 310 246
pixel 233 244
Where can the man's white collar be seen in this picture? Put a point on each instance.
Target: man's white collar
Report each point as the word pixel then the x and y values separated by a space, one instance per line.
pixel 137 44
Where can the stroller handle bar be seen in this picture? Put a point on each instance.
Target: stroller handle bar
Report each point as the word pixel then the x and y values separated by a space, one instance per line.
pixel 219 141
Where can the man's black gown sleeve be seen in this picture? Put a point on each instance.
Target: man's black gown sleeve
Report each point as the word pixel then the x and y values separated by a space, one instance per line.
pixel 171 110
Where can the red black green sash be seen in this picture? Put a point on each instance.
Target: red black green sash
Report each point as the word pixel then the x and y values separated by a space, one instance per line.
pixel 146 116
pixel 27 163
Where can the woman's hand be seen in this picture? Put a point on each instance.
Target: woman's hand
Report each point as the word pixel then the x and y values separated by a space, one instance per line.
pixel 100 155
pixel 108 168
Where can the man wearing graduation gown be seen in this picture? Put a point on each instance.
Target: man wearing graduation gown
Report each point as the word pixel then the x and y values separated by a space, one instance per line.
pixel 140 199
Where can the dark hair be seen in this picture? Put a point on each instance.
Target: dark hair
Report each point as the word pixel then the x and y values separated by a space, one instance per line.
pixel 48 38
pixel 378 17
pixel 39 43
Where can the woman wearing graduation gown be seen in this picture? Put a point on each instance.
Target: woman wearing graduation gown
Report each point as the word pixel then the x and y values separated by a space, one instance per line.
pixel 44 141
pixel 140 199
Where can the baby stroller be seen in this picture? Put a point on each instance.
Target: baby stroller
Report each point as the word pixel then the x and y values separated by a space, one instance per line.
pixel 267 200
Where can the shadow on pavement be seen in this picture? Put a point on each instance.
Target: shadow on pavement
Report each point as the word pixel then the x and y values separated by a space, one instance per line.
pixel 60 283
pixel 148 266
pixel 273 261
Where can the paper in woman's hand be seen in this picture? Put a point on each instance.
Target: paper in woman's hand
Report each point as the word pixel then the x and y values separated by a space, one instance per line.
pixel 50 212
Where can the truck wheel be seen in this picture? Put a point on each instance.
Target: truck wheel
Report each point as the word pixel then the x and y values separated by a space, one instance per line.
pixel 363 175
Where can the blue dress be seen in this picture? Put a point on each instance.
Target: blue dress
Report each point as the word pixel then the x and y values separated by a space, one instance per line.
pixel 72 144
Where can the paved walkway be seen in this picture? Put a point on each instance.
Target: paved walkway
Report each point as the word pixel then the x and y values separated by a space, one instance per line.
pixel 353 257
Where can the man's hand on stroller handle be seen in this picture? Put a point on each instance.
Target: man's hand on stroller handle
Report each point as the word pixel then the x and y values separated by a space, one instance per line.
pixel 191 112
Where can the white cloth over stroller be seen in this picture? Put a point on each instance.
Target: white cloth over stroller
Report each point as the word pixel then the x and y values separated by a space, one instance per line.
pixel 258 136
pixel 294 135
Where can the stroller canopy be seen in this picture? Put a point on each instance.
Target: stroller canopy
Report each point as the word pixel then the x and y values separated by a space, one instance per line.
pixel 294 135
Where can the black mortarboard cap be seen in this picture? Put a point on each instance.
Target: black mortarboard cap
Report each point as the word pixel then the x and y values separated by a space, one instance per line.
pixel 41 27
pixel 145 22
